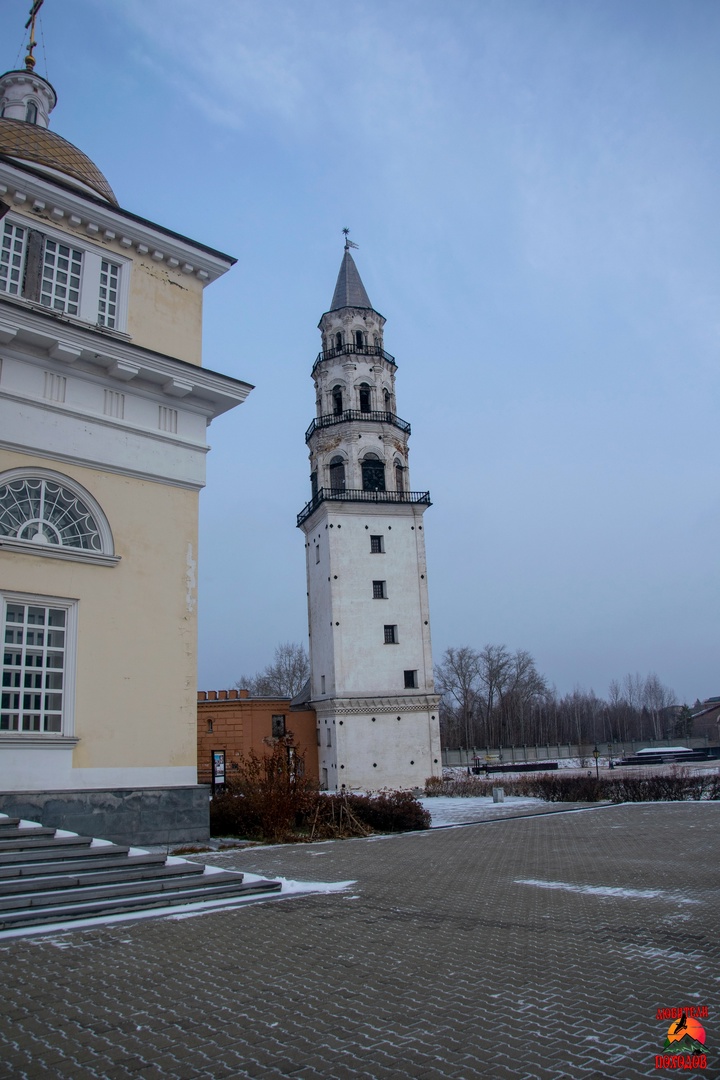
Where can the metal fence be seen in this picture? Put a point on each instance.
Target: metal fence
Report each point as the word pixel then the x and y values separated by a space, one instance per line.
pixel 495 755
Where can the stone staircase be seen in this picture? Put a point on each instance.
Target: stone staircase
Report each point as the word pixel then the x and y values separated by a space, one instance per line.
pixel 51 876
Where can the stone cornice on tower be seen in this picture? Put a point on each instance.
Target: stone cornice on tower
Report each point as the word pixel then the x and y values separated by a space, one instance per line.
pixel 363 706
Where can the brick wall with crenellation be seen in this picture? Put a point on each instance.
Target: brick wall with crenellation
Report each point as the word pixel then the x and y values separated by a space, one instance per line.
pixel 232 721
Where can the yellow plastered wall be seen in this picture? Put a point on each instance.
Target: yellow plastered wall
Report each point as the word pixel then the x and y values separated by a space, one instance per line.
pixel 135 702
pixel 165 311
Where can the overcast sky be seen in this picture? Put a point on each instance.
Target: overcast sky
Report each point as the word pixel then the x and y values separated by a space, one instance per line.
pixel 533 185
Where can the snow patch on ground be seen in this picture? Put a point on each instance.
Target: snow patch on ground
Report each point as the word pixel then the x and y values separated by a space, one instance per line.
pixel 608 891
pixel 448 810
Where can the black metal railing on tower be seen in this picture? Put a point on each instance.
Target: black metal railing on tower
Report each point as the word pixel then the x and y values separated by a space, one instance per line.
pixel 357 414
pixel 351 348
pixel 358 495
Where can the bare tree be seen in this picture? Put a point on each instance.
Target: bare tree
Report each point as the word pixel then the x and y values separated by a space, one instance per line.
pixel 658 700
pixel 457 680
pixel 285 677
pixel 523 687
pixel 495 668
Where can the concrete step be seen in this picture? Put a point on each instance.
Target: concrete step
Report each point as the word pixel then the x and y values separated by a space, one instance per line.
pixel 118 906
pixel 55 897
pixel 35 838
pixel 67 852
pixel 16 832
pixel 80 865
pixel 39 882
pixel 45 878
pixel 8 822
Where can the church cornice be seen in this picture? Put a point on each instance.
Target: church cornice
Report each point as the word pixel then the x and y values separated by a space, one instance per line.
pixel 26 190
pixel 34 336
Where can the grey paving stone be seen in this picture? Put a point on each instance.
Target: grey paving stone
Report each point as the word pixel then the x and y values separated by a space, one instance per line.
pixel 447 966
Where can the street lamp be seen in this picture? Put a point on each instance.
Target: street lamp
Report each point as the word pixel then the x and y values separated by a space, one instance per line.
pixel 596 755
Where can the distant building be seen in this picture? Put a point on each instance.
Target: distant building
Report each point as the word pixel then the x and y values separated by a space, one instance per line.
pixel 232 722
pixel 371 681
pixel 706 720
pixel 103 414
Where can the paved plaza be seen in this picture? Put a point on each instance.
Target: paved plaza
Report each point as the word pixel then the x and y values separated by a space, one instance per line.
pixel 537 947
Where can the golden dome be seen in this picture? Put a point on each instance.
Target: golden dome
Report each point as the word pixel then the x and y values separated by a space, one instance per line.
pixel 30 142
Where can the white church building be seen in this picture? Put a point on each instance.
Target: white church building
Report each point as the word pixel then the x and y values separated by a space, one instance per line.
pixel 371 681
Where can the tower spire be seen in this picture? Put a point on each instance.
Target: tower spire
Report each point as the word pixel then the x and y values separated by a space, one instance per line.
pixel 349 289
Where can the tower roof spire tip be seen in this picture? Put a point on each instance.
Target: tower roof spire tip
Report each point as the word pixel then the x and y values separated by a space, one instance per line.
pixel 349 289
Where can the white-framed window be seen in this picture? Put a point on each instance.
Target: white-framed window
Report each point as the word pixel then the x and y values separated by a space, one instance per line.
pixel 49 268
pixel 47 513
pixel 39 637
pixel 12 258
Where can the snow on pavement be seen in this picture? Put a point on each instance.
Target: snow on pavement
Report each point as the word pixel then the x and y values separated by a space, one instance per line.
pixel 459 810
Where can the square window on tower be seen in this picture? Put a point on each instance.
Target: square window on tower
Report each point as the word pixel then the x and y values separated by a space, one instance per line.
pixel 379 590
pixel 410 680
pixel 377 545
pixel 391 635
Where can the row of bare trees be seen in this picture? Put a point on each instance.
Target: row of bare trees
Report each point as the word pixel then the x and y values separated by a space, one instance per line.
pixel 494 697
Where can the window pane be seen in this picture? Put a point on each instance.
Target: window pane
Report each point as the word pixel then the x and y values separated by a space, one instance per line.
pixel 62 266
pixel 33 671
pixel 107 300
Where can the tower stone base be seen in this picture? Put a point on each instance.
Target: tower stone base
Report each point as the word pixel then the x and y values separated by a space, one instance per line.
pixel 377 743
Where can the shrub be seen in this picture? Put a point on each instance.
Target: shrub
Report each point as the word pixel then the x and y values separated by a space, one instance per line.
pixel 272 800
pixel 678 785
pixel 269 797
pixel 391 811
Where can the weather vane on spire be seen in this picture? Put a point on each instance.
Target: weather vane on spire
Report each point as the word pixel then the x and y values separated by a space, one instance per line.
pixel 30 25
pixel 348 242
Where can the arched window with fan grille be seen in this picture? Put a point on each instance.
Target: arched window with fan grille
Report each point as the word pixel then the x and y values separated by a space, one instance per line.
pixel 47 513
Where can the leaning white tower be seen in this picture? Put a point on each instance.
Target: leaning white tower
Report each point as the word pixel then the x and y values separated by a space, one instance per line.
pixel 371 681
